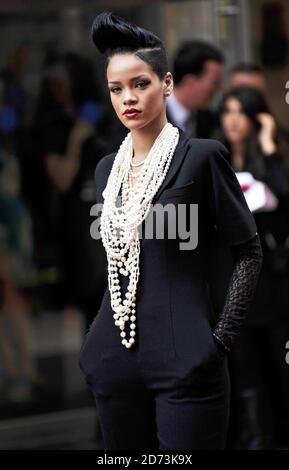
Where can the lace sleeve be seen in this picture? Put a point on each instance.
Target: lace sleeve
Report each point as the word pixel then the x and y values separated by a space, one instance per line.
pixel 247 265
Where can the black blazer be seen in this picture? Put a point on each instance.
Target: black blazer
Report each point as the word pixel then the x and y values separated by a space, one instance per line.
pixel 175 310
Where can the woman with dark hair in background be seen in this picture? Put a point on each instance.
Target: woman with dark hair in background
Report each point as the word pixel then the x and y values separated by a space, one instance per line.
pixel 250 133
pixel 260 371
pixel 162 383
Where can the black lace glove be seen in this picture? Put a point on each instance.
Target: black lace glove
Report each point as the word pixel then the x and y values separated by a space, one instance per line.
pixel 247 265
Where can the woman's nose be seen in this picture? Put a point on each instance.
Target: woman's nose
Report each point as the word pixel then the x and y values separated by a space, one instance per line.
pixel 129 97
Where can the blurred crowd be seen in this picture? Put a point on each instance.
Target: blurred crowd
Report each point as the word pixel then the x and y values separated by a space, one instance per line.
pixel 48 260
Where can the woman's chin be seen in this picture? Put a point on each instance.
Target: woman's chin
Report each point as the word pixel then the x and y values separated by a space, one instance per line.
pixel 234 138
pixel 134 125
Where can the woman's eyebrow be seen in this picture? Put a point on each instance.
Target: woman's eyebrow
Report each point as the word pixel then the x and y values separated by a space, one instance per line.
pixel 131 80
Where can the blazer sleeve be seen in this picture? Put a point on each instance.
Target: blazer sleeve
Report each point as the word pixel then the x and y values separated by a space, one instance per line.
pixel 232 217
pixel 97 184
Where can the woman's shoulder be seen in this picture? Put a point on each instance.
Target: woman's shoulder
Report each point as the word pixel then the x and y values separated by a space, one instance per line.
pixel 104 165
pixel 207 146
pixel 206 151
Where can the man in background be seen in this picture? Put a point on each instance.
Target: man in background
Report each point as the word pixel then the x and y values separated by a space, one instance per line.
pixel 197 72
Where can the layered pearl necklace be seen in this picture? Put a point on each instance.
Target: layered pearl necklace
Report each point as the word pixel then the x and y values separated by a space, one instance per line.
pixel 119 224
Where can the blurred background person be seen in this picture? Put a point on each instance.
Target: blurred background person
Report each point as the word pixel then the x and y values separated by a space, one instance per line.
pixel 67 145
pixel 197 71
pixel 13 74
pixel 260 376
pixel 251 74
pixel 16 264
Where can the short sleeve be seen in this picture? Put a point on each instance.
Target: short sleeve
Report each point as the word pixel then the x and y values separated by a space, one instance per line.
pixel 97 184
pixel 232 217
pixel 101 174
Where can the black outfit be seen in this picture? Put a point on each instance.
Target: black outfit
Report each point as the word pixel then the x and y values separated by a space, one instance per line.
pixel 171 390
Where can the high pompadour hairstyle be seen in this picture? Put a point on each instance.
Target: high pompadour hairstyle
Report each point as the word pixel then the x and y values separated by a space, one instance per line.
pixel 113 35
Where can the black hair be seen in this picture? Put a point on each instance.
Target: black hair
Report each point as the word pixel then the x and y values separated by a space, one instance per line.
pixel 246 67
pixel 112 35
pixel 251 99
pixel 191 57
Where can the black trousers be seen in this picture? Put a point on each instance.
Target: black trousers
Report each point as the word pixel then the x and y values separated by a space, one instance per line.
pixel 151 401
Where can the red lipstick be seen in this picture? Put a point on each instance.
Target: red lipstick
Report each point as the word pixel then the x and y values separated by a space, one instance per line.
pixel 131 113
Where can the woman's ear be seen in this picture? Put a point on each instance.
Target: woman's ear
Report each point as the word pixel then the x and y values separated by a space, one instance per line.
pixel 168 84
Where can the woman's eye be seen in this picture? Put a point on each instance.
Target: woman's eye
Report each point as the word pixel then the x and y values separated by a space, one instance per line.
pixel 113 89
pixel 143 84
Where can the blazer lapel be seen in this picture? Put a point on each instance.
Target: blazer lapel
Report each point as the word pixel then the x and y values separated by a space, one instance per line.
pixel 178 157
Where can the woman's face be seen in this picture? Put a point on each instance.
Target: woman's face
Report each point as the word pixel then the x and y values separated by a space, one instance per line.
pixel 237 127
pixel 60 86
pixel 133 84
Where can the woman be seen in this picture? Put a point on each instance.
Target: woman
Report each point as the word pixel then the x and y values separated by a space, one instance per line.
pixel 260 378
pixel 167 386
pixel 250 132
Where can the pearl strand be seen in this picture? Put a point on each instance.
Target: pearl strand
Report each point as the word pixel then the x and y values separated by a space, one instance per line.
pixel 119 225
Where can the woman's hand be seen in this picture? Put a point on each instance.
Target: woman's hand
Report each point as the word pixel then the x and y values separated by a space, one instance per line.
pixel 80 132
pixel 267 133
pixel 62 169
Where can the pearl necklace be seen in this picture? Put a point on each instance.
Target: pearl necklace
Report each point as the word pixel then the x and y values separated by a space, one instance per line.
pixel 138 164
pixel 119 224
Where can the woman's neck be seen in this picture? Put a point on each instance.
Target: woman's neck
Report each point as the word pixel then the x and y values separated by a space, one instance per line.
pixel 143 139
pixel 238 155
